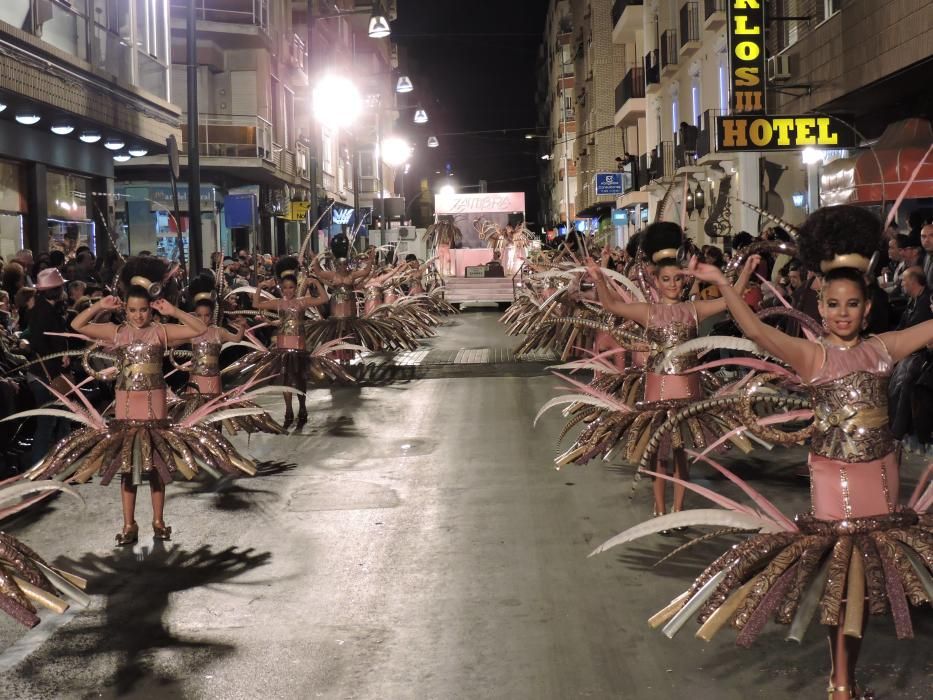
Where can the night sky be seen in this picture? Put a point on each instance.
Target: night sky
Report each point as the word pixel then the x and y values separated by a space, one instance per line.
pixel 474 66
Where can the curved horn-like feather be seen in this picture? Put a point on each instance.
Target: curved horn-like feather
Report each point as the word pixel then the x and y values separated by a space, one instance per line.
pixel 704 344
pixel 687 518
pixel 790 228
pixel 19 490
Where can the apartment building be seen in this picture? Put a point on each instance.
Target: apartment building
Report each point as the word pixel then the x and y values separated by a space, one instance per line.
pixel 557 126
pixel 856 60
pixel 81 83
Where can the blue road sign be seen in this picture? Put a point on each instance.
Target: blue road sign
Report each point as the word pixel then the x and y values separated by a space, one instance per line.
pixel 609 183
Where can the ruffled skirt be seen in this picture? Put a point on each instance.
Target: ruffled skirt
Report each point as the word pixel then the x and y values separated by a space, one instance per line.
pixel 139 449
pixel 292 368
pixel 376 335
pixel 837 569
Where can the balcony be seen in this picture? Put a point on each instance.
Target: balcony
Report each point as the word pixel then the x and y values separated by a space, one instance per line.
pixel 652 72
pixel 627 18
pixel 689 28
pixel 706 139
pixel 225 136
pixel 661 162
pixel 630 97
pixel 714 14
pixel 669 52
pixel 246 21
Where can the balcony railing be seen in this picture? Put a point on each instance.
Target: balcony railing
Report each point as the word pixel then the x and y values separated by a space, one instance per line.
pixel 619 7
pixel 689 23
pixel 661 165
pixel 711 7
pixel 706 139
pixel 254 12
pixel 225 136
pixel 669 48
pixel 652 68
pixel 632 85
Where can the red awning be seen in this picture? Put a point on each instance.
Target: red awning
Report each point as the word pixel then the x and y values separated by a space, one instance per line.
pixel 899 150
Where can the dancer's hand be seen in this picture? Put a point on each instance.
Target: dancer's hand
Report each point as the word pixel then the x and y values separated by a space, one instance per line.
pixel 592 267
pixel 164 308
pixel 110 303
pixel 705 272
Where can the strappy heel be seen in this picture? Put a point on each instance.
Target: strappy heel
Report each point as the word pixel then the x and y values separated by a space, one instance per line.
pixel 128 535
pixel 161 531
pixel 682 528
pixel 656 514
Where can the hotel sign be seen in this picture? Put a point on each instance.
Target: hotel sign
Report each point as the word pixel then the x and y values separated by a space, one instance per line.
pixel 747 56
pixel 781 133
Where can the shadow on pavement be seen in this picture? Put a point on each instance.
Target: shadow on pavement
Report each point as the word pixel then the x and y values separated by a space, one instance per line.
pixel 127 637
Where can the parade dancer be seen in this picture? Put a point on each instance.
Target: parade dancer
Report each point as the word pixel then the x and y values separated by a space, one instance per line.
pixel 669 386
pixel 141 443
pixel 859 552
pixel 205 383
pixel 290 362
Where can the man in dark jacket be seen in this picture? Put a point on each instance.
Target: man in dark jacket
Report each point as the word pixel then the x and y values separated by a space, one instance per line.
pixel 907 371
pixel 47 316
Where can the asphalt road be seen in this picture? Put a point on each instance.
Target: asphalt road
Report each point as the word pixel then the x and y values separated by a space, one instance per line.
pixel 412 541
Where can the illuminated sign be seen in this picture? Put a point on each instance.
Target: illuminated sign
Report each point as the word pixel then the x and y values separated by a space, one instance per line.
pixel 341 216
pixel 482 203
pixel 297 211
pixel 781 133
pixel 609 183
pixel 747 56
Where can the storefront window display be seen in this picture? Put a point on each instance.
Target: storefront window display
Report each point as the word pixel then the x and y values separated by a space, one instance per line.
pixel 12 209
pixel 68 222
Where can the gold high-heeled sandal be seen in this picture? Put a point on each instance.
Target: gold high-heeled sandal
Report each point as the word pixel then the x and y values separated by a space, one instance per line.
pixel 656 514
pixel 682 528
pixel 128 535
pixel 161 531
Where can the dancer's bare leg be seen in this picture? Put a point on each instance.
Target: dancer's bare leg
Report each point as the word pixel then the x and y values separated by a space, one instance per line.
pixel 157 495
pixel 660 488
pixel 681 471
pixel 128 499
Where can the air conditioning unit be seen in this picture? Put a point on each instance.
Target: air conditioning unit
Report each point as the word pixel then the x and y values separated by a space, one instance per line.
pixel 407 233
pixel 779 67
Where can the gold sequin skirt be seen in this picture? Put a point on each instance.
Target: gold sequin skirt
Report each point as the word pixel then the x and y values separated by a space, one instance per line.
pixel 140 449
pixel 283 367
pixel 375 334
pixel 27 582
pixel 838 569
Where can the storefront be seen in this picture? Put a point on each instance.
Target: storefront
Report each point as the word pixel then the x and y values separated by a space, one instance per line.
pixel 13 209
pixel 70 227
pixel 146 219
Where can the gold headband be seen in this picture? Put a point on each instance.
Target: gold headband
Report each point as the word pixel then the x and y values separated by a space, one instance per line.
pixel 853 260
pixel 289 273
pixel 664 254
pixel 152 288
pixel 204 296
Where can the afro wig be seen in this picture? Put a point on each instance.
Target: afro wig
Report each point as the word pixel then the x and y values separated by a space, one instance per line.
pixel 287 267
pixel 839 230
pixel 662 236
pixel 201 289
pixel 142 277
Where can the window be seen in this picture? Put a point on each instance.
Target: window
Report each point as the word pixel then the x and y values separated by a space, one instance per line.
pixel 327 151
pixel 695 99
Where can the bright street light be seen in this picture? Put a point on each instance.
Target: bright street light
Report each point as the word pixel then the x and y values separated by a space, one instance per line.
pixel 378 27
pixel 433 142
pixel 447 189
pixel 395 151
pixel 404 84
pixel 421 117
pixel 336 101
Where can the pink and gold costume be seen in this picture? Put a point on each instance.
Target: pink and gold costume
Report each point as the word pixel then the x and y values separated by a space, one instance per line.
pixel 141 440
pixel 857 550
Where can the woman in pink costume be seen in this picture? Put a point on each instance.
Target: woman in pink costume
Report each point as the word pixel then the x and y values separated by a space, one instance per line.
pixel 668 387
pixel 858 551
pixel 141 443
pixel 290 363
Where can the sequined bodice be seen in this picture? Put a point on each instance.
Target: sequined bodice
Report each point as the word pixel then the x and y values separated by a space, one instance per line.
pixel 291 317
pixel 140 351
pixel 850 402
pixel 373 293
pixel 342 294
pixel 205 353
pixel 670 325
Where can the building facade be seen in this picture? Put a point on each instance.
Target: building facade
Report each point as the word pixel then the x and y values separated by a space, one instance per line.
pixel 821 58
pixel 81 83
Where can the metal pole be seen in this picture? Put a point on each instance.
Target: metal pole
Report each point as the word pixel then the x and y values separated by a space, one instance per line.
pixel 312 141
pixel 194 159
pixel 382 201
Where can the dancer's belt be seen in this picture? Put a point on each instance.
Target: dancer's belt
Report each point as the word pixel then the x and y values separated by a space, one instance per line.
pixel 290 342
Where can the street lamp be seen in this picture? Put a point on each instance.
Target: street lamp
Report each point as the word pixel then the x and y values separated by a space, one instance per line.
pixel 447 189
pixel 404 84
pixel 811 155
pixel 395 151
pixel 378 24
pixel 433 142
pixel 421 117
pixel 336 101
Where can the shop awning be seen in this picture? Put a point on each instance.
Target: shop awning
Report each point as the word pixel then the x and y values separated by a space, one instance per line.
pixel 858 180
pixel 600 210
